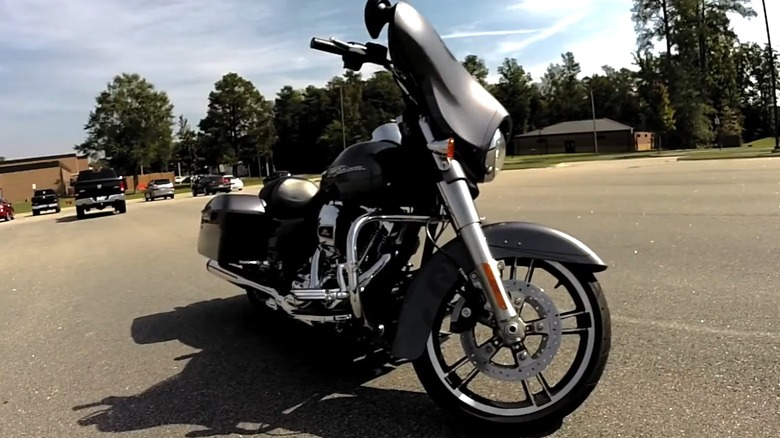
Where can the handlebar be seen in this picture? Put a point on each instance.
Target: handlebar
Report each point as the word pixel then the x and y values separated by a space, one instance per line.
pixel 353 54
pixel 324 45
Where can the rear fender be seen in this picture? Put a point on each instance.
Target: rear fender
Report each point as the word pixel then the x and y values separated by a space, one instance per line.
pixel 441 274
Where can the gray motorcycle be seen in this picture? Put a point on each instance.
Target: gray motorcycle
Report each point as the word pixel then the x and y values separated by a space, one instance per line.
pixel 474 315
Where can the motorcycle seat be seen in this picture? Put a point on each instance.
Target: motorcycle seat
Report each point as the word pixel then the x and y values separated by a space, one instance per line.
pixel 288 197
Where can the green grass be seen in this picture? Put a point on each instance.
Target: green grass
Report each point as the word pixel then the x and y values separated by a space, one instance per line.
pixel 537 161
pixel 756 149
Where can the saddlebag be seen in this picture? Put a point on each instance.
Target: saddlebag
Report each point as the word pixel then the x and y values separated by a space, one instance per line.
pixel 235 229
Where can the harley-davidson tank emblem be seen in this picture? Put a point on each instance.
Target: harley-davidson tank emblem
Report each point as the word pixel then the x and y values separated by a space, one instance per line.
pixel 340 170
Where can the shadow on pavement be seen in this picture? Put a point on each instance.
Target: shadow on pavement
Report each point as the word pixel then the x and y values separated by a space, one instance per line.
pixel 73 218
pixel 252 377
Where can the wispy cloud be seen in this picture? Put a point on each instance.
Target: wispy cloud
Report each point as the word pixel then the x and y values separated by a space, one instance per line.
pixel 557 27
pixel 555 7
pixel 486 33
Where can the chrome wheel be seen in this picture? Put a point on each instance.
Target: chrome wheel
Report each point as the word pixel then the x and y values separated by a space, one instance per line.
pixel 469 376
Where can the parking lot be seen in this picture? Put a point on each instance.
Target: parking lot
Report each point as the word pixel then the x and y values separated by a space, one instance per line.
pixel 111 325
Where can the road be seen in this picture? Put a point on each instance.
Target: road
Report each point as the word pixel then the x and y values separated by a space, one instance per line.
pixel 111 325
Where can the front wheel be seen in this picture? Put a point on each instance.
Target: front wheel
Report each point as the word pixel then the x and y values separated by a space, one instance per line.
pixel 519 388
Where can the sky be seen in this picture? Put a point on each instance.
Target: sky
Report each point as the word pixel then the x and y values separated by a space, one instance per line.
pixel 56 56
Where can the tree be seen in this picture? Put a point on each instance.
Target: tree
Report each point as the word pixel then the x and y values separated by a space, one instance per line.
pixel 476 66
pixel 131 125
pixel 515 91
pixel 187 147
pixel 239 123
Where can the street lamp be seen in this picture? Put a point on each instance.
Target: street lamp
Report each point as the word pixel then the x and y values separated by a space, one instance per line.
pixel 774 78
pixel 593 116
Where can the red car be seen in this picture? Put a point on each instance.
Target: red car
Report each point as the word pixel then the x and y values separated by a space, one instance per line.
pixel 6 210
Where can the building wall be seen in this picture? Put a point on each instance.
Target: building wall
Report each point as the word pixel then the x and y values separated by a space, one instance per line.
pixel 143 180
pixel 17 186
pixel 645 141
pixel 608 142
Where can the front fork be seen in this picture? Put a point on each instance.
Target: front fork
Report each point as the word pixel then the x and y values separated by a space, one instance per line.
pixel 465 218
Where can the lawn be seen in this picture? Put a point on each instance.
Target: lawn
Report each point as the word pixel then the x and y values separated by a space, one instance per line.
pixel 755 149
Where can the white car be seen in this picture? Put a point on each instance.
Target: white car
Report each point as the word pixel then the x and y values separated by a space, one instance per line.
pixel 235 183
pixel 179 179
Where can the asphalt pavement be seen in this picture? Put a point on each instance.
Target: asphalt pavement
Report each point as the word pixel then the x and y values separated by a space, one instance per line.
pixel 111 325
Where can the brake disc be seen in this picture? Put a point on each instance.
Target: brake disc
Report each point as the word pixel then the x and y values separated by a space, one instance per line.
pixel 546 325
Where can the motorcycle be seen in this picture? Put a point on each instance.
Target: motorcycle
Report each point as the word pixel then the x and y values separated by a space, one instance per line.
pixel 338 254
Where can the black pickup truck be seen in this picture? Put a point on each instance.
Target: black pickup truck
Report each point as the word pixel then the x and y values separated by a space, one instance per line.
pixel 97 189
pixel 45 199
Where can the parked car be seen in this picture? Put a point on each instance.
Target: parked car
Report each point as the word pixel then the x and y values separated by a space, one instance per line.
pixel 159 188
pixel 180 179
pixel 210 184
pixel 45 199
pixel 235 182
pixel 6 210
pixel 276 175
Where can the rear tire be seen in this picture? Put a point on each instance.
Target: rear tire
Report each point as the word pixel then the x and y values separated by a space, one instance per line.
pixel 121 208
pixel 492 417
pixel 80 213
pixel 36 212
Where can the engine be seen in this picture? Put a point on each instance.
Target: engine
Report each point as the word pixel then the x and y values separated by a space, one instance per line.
pixel 333 225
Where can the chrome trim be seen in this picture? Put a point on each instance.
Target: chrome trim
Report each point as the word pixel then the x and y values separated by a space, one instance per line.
pixel 213 267
pixel 353 282
pixel 314 269
pixel 466 219
pixel 387 132
pixel 496 154
pixel 326 219
pixel 341 294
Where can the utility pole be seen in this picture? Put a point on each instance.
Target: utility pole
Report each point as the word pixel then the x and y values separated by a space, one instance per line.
pixel 343 128
pixel 593 113
pixel 772 68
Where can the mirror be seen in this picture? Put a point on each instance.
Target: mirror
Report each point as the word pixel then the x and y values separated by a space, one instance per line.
pixel 376 14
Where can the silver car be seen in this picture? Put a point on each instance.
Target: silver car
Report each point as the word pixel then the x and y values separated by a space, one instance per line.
pixel 159 188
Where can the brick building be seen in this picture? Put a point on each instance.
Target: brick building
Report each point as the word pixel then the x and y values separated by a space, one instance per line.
pixel 577 137
pixel 18 176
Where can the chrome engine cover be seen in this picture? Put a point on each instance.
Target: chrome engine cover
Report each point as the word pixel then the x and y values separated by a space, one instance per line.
pixel 326 227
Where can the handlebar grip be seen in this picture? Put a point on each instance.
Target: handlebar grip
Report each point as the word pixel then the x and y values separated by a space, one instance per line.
pixel 324 45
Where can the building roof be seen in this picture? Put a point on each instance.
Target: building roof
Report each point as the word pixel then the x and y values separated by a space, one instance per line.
pixel 29 166
pixel 578 127
pixel 40 158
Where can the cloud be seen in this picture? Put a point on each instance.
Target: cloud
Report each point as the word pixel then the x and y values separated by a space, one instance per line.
pixel 484 33
pixel 554 7
pixel 557 27
pixel 56 55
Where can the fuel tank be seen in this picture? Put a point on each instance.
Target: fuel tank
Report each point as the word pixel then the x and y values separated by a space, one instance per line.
pixel 376 174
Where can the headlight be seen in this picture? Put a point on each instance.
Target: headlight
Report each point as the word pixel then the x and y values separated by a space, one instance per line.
pixel 494 161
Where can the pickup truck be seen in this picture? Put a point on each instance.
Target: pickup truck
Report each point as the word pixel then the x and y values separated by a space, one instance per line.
pixel 97 189
pixel 45 199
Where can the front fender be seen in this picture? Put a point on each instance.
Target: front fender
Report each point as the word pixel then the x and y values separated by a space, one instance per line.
pixel 441 274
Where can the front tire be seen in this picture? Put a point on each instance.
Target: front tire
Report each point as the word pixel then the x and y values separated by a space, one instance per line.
pixel 540 411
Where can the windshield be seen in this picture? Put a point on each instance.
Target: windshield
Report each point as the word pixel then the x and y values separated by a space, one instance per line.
pixel 457 103
pixel 44 192
pixel 91 175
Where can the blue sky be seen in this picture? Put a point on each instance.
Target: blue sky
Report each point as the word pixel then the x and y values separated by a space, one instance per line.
pixel 56 55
